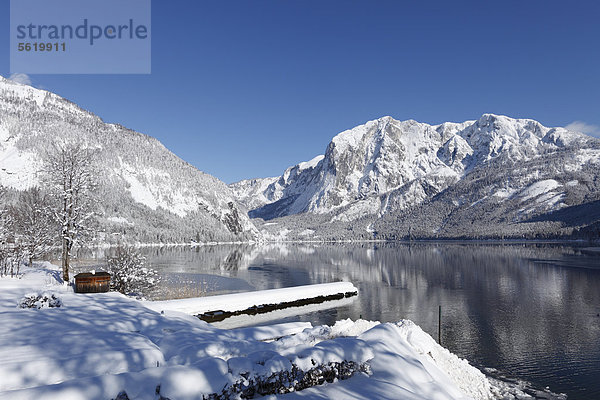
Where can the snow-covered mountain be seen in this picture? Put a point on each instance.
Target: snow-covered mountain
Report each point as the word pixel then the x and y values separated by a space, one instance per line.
pixel 377 176
pixel 492 177
pixel 146 192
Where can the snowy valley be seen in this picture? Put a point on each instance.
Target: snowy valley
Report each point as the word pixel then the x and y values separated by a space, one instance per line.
pixel 495 177
pixel 386 179
pixel 292 200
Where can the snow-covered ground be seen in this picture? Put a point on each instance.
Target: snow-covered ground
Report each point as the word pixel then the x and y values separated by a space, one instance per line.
pixel 96 345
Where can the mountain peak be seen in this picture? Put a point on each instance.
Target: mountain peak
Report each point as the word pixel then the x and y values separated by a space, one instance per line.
pixel 311 163
pixel 488 118
pixel 386 118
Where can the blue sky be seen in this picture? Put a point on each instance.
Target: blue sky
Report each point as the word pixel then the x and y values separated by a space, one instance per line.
pixel 245 89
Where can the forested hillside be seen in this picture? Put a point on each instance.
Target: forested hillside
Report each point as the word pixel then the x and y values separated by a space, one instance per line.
pixel 145 193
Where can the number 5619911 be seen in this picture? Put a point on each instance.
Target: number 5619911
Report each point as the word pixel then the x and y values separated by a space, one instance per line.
pixel 35 46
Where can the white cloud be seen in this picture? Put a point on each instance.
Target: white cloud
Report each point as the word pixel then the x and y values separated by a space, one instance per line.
pixel 23 79
pixel 588 129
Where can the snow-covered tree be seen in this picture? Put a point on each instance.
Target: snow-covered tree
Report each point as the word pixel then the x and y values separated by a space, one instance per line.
pixel 130 273
pixel 11 254
pixel 71 178
pixel 31 223
pixel 4 218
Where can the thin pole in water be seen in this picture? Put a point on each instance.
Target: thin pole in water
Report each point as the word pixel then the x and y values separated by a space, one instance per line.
pixel 440 325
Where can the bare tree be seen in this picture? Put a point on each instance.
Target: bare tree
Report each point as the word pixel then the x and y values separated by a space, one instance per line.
pixel 71 178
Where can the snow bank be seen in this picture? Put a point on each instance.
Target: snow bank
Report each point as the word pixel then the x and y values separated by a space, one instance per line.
pixel 246 300
pixel 95 346
pixel 470 380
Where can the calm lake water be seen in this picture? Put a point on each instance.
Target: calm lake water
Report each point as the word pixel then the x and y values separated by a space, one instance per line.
pixel 529 311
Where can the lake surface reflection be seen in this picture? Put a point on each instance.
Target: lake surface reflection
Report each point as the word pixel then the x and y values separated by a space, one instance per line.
pixel 530 311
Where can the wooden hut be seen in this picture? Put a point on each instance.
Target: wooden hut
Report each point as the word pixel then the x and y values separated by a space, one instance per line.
pixel 88 282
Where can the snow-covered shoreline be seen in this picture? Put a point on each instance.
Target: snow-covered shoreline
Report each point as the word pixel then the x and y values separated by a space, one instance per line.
pixel 95 346
pixel 491 241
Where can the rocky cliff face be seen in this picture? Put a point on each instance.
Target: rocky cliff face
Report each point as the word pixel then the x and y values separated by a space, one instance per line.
pixel 384 168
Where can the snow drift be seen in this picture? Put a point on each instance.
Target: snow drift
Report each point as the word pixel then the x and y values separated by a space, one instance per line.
pixel 97 346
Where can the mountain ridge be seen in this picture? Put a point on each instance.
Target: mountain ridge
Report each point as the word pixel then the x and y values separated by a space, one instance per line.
pixel 148 193
pixel 383 168
pixel 492 177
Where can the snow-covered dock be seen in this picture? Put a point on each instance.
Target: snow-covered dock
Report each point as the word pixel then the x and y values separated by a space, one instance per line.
pixel 218 307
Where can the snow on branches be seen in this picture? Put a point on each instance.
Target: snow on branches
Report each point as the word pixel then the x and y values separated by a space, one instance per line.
pixel 30 222
pixel 71 177
pixel 130 273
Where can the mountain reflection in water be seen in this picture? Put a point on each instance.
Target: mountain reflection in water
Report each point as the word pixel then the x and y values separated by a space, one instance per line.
pixel 530 311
